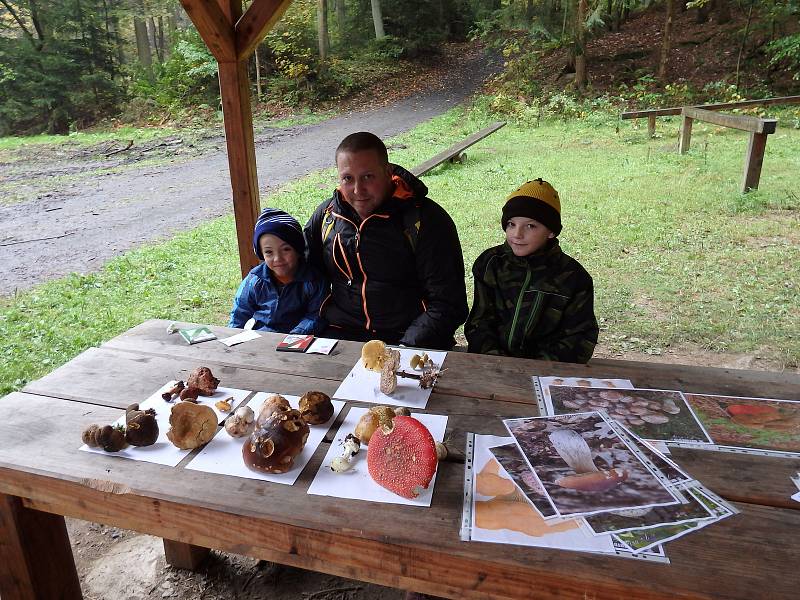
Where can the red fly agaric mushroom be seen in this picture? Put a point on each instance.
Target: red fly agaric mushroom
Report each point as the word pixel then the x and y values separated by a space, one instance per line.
pixel 273 447
pixel 316 408
pixel 402 457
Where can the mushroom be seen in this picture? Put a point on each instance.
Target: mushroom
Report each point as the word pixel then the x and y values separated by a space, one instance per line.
pixel 273 404
pixel 110 438
pixel 366 426
pixel 576 453
pixel 403 411
pixel 351 446
pixel 402 457
pixel 204 380
pixel 241 423
pixel 655 419
pixel 176 389
pixel 273 447
pixel 670 407
pixel 373 355
pixel 191 425
pixel 224 405
pixel 388 378
pixel 141 427
pixel 316 408
pixel 190 394
pixel 88 435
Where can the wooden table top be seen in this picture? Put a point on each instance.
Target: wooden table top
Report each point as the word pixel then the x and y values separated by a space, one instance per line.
pixel 401 546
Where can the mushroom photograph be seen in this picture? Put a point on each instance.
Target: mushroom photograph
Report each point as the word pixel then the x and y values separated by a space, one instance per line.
pixel 752 423
pixel 650 414
pixel 515 466
pixel 584 466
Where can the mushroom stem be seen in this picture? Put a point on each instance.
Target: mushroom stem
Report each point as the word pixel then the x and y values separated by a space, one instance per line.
pixel 574 450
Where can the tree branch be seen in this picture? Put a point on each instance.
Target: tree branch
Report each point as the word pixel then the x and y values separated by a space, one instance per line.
pixel 37 43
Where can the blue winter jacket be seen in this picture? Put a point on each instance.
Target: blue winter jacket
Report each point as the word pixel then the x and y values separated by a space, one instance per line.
pixel 292 309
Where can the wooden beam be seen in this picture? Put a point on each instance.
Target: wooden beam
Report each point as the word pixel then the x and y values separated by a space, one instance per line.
pixel 686 135
pixel 753 161
pixel 676 110
pixel 456 149
pixel 35 556
pixel 259 18
pixel 234 88
pixel 742 122
pixel 184 556
pixel 651 126
pixel 214 27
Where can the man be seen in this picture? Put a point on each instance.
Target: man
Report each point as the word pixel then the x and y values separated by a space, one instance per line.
pixel 392 255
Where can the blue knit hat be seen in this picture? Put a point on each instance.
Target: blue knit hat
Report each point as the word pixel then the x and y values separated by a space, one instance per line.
pixel 282 225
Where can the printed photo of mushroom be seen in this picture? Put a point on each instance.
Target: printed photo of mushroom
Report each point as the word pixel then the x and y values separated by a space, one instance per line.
pixel 650 414
pixel 750 423
pixel 640 540
pixel 546 381
pixel 584 466
pixel 647 518
pixel 517 468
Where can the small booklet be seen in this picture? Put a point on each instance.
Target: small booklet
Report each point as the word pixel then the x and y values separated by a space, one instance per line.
pixel 322 346
pixel 295 343
pixel 197 335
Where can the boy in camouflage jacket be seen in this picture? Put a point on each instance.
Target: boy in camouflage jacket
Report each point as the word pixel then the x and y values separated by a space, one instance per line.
pixel 531 299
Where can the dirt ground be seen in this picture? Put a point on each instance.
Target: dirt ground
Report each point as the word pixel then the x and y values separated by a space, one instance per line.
pixel 71 210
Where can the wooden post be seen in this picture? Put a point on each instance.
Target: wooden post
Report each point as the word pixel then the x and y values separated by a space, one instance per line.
pixel 36 559
pixel 184 556
pixel 753 161
pixel 651 126
pixel 686 135
pixel 234 88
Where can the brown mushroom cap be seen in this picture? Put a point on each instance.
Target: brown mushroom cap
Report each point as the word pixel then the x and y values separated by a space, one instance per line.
pixel 366 426
pixel 89 435
pixel 204 380
pixel 316 408
pixel 273 404
pixel 273 447
pixel 110 439
pixel 190 394
pixel 373 355
pixel 191 425
pixel 141 427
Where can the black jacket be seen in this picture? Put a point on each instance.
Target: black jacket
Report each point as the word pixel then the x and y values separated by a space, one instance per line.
pixel 401 277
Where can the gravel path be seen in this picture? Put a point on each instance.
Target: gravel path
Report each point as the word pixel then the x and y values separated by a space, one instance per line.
pixel 94 219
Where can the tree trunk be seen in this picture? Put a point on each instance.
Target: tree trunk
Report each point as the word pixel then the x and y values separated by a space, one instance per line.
pixel 340 20
pixel 702 14
pixel 744 42
pixel 377 19
pixel 162 39
pixel 580 45
pixel 153 35
pixel 142 44
pixel 529 12
pixel 322 29
pixel 258 74
pixel 666 42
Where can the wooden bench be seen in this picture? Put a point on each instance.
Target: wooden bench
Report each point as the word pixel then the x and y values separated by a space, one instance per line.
pixel 456 152
pixel 758 128
pixel 651 114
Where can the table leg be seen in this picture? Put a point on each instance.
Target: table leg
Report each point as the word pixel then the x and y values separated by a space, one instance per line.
pixel 36 559
pixel 183 556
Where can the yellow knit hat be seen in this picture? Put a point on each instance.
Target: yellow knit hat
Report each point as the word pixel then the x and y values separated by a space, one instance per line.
pixel 537 200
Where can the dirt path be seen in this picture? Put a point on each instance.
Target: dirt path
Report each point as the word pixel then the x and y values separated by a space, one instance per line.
pixel 88 220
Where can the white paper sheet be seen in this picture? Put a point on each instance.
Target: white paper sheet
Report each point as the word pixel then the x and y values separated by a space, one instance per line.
pixel 357 484
pixel 245 336
pixel 163 452
pixel 223 454
pixel 322 346
pixel 363 385
pixel 567 534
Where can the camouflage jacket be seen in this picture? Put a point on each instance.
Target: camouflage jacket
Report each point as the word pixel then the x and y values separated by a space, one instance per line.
pixel 539 306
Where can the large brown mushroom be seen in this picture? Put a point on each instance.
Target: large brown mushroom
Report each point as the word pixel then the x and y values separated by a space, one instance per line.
pixel 316 408
pixel 273 404
pixel 110 438
pixel 204 380
pixel 273 447
pixel 141 427
pixel 191 425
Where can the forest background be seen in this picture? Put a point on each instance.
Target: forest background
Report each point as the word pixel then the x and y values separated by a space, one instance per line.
pixel 69 65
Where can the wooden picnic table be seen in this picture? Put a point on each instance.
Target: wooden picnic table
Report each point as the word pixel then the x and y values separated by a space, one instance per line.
pixel 44 477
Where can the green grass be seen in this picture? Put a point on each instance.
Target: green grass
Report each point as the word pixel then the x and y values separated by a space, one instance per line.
pixel 87 138
pixel 677 253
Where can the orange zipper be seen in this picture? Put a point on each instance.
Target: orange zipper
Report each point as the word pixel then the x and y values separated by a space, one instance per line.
pixel 364 273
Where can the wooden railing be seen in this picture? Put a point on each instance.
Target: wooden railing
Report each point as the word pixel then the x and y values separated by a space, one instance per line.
pixel 651 114
pixel 758 128
pixel 456 152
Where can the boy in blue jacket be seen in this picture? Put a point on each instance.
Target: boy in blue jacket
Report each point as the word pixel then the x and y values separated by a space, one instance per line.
pixel 283 293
